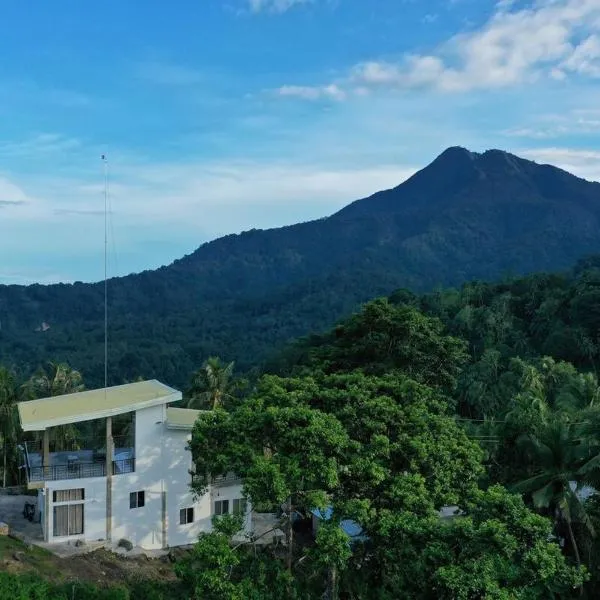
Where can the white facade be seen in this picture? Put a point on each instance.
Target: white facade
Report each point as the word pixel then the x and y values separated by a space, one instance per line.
pixel 161 482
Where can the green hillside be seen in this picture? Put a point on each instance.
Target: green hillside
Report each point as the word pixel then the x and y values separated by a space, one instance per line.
pixel 465 216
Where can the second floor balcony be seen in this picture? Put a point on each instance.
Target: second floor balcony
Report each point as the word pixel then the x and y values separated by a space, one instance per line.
pixel 76 462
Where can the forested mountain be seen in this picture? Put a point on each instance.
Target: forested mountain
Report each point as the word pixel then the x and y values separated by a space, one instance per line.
pixel 465 216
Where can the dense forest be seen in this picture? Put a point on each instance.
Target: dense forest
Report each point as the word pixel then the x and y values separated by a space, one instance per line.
pixel 465 216
pixel 483 398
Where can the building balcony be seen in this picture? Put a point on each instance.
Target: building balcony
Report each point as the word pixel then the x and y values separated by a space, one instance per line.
pixel 226 480
pixel 74 463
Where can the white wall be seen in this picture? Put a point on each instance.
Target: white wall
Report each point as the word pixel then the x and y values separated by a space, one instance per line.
pixel 231 492
pixel 178 461
pixel 94 511
pixel 142 526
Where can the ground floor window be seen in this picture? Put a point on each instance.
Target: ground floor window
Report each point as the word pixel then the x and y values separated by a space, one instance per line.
pixel 68 513
pixel 186 516
pixel 239 506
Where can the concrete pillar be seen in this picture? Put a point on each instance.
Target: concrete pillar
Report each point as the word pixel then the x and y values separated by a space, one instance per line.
pixel 47 515
pixel 164 519
pixel 109 469
pixel 46 453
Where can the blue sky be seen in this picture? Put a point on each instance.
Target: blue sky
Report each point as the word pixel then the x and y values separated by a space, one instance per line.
pixel 222 115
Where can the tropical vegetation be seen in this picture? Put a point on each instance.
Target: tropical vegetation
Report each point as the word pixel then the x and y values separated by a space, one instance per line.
pixel 482 400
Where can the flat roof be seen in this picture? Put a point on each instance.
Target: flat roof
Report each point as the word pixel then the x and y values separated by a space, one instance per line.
pixel 37 415
pixel 182 418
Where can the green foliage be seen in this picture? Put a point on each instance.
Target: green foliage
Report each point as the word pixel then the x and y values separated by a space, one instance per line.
pixel 498 549
pixel 32 587
pixel 364 425
pixel 383 337
pixel 211 385
pixel 9 425
pixel 215 570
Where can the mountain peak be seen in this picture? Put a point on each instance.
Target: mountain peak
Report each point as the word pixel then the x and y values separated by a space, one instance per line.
pixel 456 151
pixel 458 173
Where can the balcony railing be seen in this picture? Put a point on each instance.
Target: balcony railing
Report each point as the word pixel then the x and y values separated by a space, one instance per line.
pixel 74 471
pixel 74 463
pixel 126 465
pixel 225 480
pixel 79 470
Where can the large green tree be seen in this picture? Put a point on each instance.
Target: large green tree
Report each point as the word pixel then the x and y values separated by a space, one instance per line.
pixel 384 452
pixel 562 460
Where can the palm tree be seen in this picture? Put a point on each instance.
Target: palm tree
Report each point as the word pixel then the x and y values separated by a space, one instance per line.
pixel 56 379
pixel 9 422
pixel 211 384
pixel 563 459
pixel 582 393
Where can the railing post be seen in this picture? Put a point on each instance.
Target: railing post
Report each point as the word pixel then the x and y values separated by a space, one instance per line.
pixel 46 451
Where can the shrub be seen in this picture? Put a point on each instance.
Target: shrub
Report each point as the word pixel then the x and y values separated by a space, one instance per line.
pixel 123 543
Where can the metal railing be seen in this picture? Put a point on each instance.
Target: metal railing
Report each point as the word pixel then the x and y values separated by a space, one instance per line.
pixel 126 465
pixel 79 470
pixel 224 480
pixel 72 471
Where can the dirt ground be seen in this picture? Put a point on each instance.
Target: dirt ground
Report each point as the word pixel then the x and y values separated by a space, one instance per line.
pixel 96 567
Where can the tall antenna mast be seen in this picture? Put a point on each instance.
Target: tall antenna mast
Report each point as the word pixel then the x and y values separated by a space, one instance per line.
pixel 105 161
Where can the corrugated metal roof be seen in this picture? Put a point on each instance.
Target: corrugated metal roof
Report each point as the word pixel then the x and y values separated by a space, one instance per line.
pixel 37 415
pixel 182 418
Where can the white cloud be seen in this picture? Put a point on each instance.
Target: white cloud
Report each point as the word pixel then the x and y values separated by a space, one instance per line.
pixel 583 163
pixel 585 58
pixel 11 196
pixel 28 277
pixel 551 38
pixel 275 6
pixel 574 122
pixel 331 91
pixel 162 210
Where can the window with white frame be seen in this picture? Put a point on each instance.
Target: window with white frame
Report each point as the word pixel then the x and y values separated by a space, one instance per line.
pixel 221 507
pixel 68 512
pixel 137 499
pixel 186 516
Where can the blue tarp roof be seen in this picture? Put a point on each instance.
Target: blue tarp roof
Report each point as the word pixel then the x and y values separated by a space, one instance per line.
pixel 352 528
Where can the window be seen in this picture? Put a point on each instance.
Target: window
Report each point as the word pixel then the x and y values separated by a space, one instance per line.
pixel 68 495
pixel 68 514
pixel 136 499
pixel 186 516
pixel 239 506
pixel 222 507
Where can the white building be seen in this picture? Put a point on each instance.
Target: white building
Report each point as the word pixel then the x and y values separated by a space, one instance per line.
pixel 136 489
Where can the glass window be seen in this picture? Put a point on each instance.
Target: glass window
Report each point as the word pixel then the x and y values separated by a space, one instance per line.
pixel 222 507
pixel 68 515
pixel 68 495
pixel 186 516
pixel 239 506
pixel 137 499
